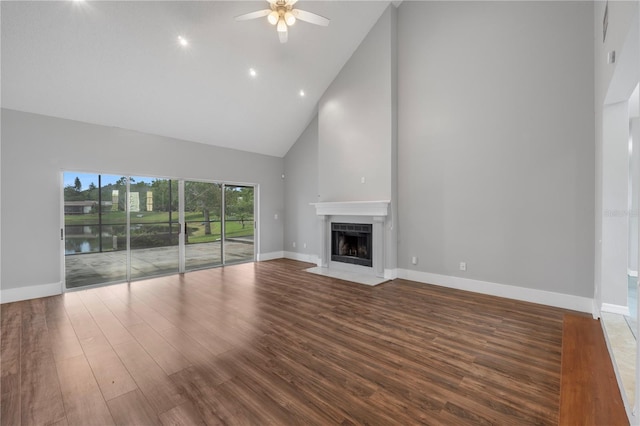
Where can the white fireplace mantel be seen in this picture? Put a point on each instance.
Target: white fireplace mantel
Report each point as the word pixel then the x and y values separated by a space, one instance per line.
pixel 352 208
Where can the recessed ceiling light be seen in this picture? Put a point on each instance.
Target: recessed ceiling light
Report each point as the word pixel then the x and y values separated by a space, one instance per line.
pixel 301 93
pixel 253 72
pixel 183 41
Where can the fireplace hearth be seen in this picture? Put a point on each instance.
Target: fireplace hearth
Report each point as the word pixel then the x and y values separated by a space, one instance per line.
pixel 351 243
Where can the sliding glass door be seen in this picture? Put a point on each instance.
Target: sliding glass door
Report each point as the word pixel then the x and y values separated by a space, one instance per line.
pixel 153 226
pixel 238 223
pixel 203 218
pixel 121 228
pixel 95 229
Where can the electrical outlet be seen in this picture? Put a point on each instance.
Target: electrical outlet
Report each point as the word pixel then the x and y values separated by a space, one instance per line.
pixel 294 244
pixel 304 245
pixel 414 260
pixel 463 266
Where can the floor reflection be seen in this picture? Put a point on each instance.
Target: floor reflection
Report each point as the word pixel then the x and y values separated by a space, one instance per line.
pixel 623 345
pixel 621 333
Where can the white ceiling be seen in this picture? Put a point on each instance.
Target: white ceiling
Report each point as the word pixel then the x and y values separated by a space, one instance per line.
pixel 119 64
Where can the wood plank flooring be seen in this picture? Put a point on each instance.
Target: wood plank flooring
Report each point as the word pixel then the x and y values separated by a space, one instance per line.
pixel 586 392
pixel 268 343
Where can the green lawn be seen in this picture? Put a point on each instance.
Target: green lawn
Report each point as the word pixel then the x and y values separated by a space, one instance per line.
pixel 194 219
pixel 233 229
pixel 120 217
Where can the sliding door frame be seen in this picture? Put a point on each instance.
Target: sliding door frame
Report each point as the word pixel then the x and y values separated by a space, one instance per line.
pixel 181 221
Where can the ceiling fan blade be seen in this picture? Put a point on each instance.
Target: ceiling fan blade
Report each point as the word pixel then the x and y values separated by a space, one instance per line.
pixel 284 36
pixel 253 15
pixel 292 2
pixel 312 18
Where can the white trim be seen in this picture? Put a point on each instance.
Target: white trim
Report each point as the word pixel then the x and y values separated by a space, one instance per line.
pixel 30 292
pixel 270 256
pixel 595 313
pixel 615 309
pixel 559 300
pixel 632 274
pixel 391 274
pixel 370 280
pixel 302 257
pixel 352 208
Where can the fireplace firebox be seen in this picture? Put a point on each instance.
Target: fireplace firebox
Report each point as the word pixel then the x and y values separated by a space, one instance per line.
pixel 351 243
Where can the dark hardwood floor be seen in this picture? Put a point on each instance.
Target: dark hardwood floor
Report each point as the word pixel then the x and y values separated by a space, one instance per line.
pixel 268 343
pixel 589 393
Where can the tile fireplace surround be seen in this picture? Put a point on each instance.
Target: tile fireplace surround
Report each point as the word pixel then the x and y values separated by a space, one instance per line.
pixel 373 212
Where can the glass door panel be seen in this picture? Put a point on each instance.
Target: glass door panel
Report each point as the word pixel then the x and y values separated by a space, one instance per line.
pixel 119 228
pixel 153 226
pixel 94 229
pixel 238 224
pixel 202 212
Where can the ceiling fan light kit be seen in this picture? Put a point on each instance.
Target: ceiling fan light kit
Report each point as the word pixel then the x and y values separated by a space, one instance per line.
pixel 282 26
pixel 273 17
pixel 289 18
pixel 283 15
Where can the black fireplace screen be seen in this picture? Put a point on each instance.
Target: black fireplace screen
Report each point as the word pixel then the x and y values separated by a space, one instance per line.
pixel 351 243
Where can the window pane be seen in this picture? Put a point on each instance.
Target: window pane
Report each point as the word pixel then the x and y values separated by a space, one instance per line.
pixel 154 227
pixel 203 245
pixel 238 225
pixel 95 229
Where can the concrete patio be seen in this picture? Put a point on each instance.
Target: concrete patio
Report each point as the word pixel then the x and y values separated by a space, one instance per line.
pixel 107 267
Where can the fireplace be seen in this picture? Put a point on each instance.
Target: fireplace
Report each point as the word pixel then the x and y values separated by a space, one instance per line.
pixel 371 219
pixel 351 243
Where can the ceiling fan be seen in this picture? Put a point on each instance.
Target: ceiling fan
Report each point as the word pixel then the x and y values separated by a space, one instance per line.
pixel 283 15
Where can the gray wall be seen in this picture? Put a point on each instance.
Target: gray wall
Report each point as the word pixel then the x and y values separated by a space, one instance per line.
pixel 354 136
pixel 36 149
pixel 495 141
pixel 355 122
pixel 301 189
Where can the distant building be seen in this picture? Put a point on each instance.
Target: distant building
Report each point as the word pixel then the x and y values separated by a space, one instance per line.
pixel 79 207
pixel 82 207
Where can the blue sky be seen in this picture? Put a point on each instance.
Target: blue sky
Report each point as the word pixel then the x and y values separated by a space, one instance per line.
pixel 88 178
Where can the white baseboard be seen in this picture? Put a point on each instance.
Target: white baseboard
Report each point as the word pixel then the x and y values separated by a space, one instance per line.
pixel 595 310
pixel 615 309
pixel 558 300
pixel 302 257
pixel 31 292
pixel 261 257
pixel 391 274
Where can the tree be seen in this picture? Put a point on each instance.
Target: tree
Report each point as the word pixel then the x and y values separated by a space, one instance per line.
pixel 77 184
pixel 91 193
pixel 72 194
pixel 239 203
pixel 123 181
pixel 204 197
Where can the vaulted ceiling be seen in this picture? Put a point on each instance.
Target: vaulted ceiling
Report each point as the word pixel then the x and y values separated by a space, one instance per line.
pixel 120 64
